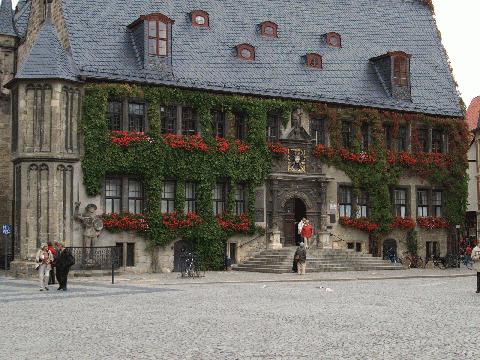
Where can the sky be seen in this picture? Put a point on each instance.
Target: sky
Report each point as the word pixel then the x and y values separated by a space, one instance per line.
pixel 457 21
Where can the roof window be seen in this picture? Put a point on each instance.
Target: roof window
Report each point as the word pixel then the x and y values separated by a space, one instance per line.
pixel 245 52
pixel 268 29
pixel 313 60
pixel 200 18
pixel 334 39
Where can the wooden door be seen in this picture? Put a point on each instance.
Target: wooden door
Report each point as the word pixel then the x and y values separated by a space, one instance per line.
pixel 289 229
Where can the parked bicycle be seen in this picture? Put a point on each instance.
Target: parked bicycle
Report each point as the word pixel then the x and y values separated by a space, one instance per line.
pixel 437 262
pixel 413 261
pixel 391 255
pixel 451 261
pixel 190 266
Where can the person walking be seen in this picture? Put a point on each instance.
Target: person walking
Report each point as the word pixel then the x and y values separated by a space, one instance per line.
pixel 44 260
pixel 476 264
pixel 307 233
pixel 301 257
pixel 51 273
pixel 65 260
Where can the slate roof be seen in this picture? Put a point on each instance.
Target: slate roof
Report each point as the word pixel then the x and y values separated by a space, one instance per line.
pixel 47 58
pixel 204 57
pixel 21 17
pixel 6 18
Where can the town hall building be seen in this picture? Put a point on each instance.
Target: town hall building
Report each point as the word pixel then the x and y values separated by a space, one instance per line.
pixel 217 126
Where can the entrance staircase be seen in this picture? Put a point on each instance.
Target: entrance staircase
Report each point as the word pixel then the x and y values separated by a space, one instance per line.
pixel 318 260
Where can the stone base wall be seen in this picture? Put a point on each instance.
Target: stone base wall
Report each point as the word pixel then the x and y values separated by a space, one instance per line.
pixel 247 246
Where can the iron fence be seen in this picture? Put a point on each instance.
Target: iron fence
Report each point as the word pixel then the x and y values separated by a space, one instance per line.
pixel 96 258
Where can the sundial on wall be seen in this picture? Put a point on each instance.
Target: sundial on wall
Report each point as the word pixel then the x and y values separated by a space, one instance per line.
pixel 297 160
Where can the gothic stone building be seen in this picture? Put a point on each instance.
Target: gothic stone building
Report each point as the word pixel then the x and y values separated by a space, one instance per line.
pixel 277 109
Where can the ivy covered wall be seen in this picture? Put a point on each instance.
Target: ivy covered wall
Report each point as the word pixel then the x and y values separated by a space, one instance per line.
pixel 154 160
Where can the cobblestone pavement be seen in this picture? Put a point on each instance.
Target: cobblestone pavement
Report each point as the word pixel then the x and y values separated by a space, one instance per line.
pixel 418 318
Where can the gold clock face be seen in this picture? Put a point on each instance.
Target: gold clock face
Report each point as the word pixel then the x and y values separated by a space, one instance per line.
pixel 297 160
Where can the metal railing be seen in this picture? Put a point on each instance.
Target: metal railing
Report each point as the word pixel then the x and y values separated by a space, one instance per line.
pixel 96 258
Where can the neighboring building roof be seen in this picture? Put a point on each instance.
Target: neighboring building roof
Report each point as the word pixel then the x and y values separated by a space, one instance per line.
pixel 21 16
pixel 47 58
pixel 204 57
pixel 473 114
pixel 6 19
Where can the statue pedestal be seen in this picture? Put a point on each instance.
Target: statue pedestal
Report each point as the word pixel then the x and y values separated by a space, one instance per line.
pixel 274 243
pixel 324 240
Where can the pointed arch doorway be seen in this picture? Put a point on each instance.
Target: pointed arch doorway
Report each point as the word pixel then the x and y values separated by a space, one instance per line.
pixel 295 210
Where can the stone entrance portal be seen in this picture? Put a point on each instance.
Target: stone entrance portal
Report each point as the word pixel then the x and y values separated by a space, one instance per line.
pixel 295 210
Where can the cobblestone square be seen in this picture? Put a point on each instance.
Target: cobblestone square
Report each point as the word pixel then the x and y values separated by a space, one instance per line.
pixel 436 318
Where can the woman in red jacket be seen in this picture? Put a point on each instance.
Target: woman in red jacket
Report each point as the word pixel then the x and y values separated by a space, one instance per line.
pixel 307 233
pixel 51 278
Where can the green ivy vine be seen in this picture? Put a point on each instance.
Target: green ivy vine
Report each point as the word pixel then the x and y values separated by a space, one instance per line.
pixel 156 161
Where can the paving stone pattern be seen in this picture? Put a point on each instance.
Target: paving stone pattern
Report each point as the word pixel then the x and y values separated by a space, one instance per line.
pixel 383 319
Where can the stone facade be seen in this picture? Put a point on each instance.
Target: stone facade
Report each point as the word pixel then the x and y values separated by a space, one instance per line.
pixel 40 170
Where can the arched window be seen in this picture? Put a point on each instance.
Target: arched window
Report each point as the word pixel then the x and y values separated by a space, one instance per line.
pixel 334 40
pixel 200 18
pixel 314 61
pixel 245 52
pixel 268 29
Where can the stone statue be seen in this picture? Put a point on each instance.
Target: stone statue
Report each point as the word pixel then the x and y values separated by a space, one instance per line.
pixel 92 223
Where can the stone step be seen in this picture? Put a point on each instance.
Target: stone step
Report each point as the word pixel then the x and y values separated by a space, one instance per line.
pixel 318 260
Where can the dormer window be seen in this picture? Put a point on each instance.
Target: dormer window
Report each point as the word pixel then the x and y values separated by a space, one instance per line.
pixel 200 18
pixel 334 39
pixel 313 61
pixel 393 71
pixel 268 29
pixel 400 62
pixel 245 52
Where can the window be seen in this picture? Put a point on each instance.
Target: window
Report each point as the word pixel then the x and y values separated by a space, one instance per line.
pixel 345 201
pixel 130 254
pixel 136 117
pixel 219 123
pixel 273 122
pixel 437 141
pixel 220 198
pixel 387 131
pixel 168 196
pixel 115 202
pixel 113 195
pixel 190 197
pixel 240 196
pixel 114 115
pixel 240 126
pixel 245 52
pixel 334 40
pixel 400 70
pixel 314 61
pixel 422 135
pixel 347 134
pixel 402 139
pixel 365 136
pixel 400 202
pixel 362 205
pixel 189 124
pixel 268 29
pixel 168 118
pixel 157 37
pixel 135 196
pixel 200 18
pixel 432 249
pixel 422 203
pixel 318 130
pixel 437 203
